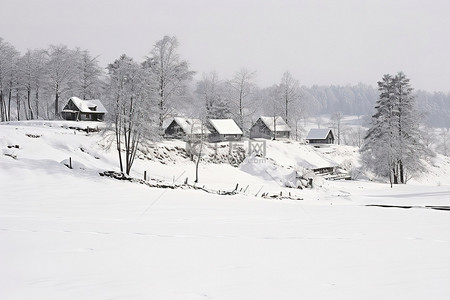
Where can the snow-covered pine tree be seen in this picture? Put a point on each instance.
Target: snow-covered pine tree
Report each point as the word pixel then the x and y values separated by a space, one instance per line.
pixel 393 147
pixel 377 150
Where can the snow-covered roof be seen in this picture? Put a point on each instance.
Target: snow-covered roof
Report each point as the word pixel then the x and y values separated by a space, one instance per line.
pixel 88 106
pixel 318 134
pixel 191 126
pixel 225 126
pixel 279 122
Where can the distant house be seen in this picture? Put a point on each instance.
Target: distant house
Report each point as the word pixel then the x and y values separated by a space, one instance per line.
pixel 224 130
pixel 270 127
pixel 320 136
pixel 186 128
pixel 83 110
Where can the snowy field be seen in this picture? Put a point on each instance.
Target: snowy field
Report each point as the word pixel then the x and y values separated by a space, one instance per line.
pixel 71 234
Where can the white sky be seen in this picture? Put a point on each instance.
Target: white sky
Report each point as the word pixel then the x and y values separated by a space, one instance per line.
pixel 319 42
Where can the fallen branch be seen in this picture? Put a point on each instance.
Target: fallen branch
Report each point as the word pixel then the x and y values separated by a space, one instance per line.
pixel 161 185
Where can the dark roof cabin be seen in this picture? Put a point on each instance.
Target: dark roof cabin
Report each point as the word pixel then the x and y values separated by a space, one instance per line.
pixel 186 128
pixel 270 127
pixel 320 136
pixel 83 110
pixel 224 130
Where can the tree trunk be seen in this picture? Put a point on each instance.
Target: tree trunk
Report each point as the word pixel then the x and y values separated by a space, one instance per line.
pixel 18 104
pixel 198 160
pixel 274 127
pixel 395 173
pixel 286 112
pixel 37 103
pixel 56 102
pixel 161 105
pixel 8 115
pixel 2 106
pixel 401 173
pixel 30 109
pixel 390 178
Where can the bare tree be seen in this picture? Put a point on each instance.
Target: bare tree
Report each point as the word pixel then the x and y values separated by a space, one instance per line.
pixel 31 68
pixel 354 136
pixel 319 121
pixel 199 145
pixel 61 70
pixel 8 58
pixel 240 88
pixel 336 123
pixel 444 145
pixel 289 93
pixel 87 80
pixel 169 73
pixel 131 115
pixel 211 91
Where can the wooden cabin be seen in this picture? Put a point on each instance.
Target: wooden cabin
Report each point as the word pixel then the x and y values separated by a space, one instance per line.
pixel 224 130
pixel 184 128
pixel 270 128
pixel 83 110
pixel 320 136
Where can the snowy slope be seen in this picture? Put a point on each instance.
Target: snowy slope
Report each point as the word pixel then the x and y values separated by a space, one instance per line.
pixel 72 234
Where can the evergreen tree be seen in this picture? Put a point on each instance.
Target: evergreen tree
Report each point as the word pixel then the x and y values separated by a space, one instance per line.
pixel 392 146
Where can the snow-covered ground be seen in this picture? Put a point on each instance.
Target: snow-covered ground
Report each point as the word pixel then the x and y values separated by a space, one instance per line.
pixel 72 234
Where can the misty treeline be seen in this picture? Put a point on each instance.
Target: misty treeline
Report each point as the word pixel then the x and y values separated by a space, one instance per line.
pixel 35 84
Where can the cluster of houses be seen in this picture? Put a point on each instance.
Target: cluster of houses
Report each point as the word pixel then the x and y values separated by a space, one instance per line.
pixel 215 130
pixel 221 130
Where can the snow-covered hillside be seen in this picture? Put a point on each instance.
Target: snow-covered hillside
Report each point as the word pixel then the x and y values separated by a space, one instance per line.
pixel 72 234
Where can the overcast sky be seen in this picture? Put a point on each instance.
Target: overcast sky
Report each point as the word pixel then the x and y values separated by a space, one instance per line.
pixel 319 42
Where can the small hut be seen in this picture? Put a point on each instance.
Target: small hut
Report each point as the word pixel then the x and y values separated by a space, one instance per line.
pixel 269 128
pixel 320 136
pixel 184 128
pixel 224 130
